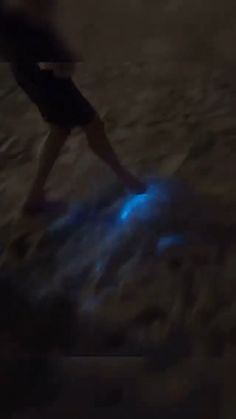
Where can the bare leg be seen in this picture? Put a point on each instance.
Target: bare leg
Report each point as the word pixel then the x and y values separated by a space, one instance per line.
pixel 51 149
pixel 100 145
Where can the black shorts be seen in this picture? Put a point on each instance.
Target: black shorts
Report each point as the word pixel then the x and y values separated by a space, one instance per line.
pixel 58 100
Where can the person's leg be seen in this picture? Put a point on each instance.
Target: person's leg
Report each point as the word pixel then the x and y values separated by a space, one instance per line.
pixel 100 145
pixel 51 149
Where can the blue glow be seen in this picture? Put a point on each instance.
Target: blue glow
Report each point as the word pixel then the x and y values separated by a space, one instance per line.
pixel 132 204
pixel 170 240
pixel 142 206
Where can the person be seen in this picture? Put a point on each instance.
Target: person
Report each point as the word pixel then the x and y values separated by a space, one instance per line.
pixel 43 67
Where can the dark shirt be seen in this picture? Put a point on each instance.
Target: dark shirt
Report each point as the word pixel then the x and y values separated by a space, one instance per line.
pixel 24 41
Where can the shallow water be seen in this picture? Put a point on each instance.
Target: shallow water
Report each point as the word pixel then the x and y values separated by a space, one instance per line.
pixel 135 268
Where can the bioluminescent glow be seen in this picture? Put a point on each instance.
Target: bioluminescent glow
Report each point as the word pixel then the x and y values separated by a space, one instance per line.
pixel 170 240
pixel 142 206
pixel 134 203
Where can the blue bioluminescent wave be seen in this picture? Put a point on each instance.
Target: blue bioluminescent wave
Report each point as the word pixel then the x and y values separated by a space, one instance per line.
pixel 134 203
pixel 142 206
